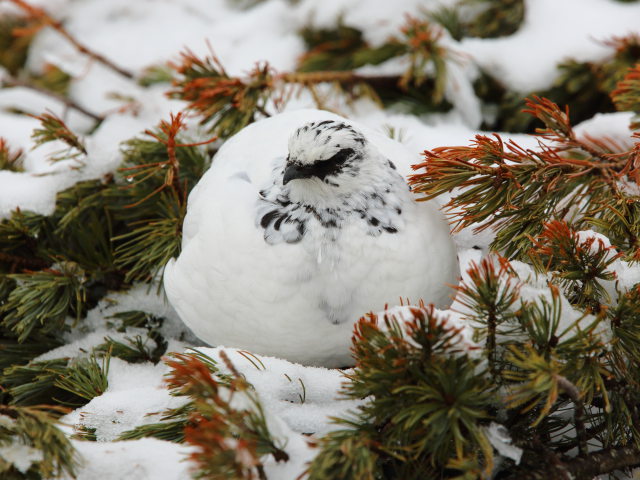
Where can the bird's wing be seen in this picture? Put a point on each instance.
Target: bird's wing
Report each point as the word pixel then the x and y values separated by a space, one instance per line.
pixel 225 262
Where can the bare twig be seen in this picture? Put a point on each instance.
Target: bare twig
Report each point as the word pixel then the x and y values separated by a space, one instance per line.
pixel 578 415
pixel 171 129
pixel 10 81
pixel 141 172
pixel 16 261
pixel 605 461
pixel 341 77
pixel 47 20
pixel 590 466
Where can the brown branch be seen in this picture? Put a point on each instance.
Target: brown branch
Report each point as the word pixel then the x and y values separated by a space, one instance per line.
pixel 263 111
pixel 553 468
pixel 342 77
pixel 171 129
pixel 10 81
pixel 605 461
pixel 43 16
pixel 172 176
pixel 23 261
pixel 578 415
pixel 587 467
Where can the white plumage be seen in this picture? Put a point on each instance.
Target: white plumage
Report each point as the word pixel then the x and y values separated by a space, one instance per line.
pixel 302 225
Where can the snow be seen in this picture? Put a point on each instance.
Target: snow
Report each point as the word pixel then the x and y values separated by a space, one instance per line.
pixel 16 452
pixel 143 459
pixel 553 32
pixel 136 396
pixel 21 456
pixel 303 397
pixel 499 437
pixel 136 34
pixel 612 126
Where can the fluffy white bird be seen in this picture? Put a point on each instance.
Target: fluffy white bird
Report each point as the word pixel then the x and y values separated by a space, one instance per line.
pixel 286 245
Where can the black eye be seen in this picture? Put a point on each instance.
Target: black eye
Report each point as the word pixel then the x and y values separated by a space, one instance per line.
pixel 341 157
pixel 330 166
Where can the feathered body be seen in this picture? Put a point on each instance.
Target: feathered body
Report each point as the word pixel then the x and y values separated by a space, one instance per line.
pixel 302 225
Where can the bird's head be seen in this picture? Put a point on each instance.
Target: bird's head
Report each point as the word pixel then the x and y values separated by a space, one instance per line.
pixel 324 155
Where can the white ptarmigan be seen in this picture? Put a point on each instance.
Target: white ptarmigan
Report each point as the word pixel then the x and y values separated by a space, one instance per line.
pixel 303 224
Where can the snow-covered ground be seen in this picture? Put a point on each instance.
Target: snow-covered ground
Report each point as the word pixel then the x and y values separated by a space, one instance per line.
pixel 141 33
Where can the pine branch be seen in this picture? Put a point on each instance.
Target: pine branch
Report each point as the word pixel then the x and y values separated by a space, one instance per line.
pixel 54 128
pixel 137 349
pixel 152 242
pixel 33 430
pixel 9 160
pixel 341 48
pixel 229 442
pixel 150 198
pixel 42 300
pixel 170 130
pixel 228 103
pixel 13 48
pixel 34 383
pixel 45 20
pixel 626 55
pixel 626 96
pixel 85 377
pixel 167 137
pixel 155 74
pixel 579 263
pixel 584 86
pixel 81 230
pixel 604 462
pixel 21 240
pixel 170 427
pixel 173 421
pixel 627 93
pixel 597 463
pixel 423 42
pixel 516 191
pixel 135 319
pixel 426 401
pixel 53 79
pixel 62 381
pixel 495 18
pixel 490 294
pixel 15 354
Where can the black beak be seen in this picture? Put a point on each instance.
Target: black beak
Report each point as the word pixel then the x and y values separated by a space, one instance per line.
pixel 294 171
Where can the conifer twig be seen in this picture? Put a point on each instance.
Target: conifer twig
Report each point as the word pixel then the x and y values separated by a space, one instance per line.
pixel 10 159
pixel 54 128
pixel 605 462
pixel 11 81
pixel 590 466
pixel 46 20
pixel 578 415
pixel 504 186
pixel 343 77
pixel 170 130
pixel 24 261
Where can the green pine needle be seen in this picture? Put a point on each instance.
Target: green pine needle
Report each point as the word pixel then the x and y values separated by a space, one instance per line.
pixel 85 377
pixel 43 300
pixel 36 431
